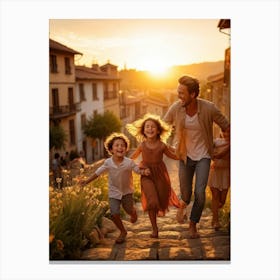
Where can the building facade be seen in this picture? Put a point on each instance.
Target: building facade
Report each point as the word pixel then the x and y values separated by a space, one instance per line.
pixel 218 86
pixel 97 90
pixel 63 104
pixel 90 93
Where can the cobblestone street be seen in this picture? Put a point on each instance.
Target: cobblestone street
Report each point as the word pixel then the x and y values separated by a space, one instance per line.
pixel 173 242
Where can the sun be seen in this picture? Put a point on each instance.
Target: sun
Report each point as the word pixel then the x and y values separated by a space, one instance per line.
pixel 155 67
pixel 157 70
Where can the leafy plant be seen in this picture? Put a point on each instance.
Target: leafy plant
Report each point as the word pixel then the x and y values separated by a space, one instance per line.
pixel 74 212
pixel 101 126
pixel 58 137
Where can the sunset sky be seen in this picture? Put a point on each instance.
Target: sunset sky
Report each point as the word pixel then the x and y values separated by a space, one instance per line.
pixel 142 44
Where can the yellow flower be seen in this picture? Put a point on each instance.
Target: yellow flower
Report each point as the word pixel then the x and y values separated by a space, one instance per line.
pixel 51 238
pixel 59 195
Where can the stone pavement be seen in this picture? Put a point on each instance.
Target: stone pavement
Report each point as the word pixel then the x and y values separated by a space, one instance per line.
pixel 173 243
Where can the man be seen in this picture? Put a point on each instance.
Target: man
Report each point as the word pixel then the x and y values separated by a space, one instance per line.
pixel 193 118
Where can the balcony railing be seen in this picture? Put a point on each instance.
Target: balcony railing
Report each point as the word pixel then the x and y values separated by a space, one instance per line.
pixel 58 112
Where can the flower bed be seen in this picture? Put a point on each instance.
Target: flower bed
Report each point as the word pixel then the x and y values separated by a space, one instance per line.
pixel 74 212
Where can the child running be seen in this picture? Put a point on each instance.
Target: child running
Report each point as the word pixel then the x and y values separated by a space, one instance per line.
pixel 219 176
pixel 156 191
pixel 120 180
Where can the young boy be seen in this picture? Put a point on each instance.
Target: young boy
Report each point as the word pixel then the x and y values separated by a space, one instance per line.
pixel 120 182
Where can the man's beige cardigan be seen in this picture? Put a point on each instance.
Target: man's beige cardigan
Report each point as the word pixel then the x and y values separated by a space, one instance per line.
pixel 207 113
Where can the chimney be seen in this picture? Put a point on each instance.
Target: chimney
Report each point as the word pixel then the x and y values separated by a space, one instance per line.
pixel 95 67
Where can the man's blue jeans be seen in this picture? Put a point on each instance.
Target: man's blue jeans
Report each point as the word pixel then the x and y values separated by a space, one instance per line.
pixel 199 169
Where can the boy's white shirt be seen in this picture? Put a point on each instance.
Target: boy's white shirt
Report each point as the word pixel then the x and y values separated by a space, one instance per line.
pixel 119 176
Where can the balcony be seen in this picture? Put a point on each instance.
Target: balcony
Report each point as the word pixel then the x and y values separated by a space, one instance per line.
pixel 59 112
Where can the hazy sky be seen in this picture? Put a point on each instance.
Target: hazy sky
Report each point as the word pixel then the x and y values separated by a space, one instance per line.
pixel 142 44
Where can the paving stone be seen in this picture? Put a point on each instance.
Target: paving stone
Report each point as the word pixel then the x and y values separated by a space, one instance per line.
pixel 180 254
pixel 98 254
pixel 174 242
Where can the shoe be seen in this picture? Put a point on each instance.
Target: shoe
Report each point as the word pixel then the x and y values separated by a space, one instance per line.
pixel 180 212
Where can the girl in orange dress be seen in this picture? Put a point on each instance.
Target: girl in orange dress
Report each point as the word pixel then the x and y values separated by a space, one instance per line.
pixel 156 191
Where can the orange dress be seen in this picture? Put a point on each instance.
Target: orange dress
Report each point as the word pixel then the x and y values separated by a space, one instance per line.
pixel 156 191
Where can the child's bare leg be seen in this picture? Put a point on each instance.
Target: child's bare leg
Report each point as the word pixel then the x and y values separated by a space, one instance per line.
pixel 223 197
pixel 115 213
pixel 180 212
pixel 127 203
pixel 153 219
pixel 133 216
pixel 215 207
pixel 118 222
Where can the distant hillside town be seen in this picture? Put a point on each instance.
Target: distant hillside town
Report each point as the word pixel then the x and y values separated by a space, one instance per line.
pixel 78 93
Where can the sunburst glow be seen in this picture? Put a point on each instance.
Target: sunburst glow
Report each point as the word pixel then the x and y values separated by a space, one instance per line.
pixel 155 67
pixel 144 44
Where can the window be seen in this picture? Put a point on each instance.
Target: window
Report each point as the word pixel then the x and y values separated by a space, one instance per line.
pixel 71 99
pixel 67 65
pixel 83 120
pixel 137 109
pixel 82 92
pixel 114 90
pixel 53 63
pixel 94 91
pixel 106 92
pixel 55 100
pixel 72 132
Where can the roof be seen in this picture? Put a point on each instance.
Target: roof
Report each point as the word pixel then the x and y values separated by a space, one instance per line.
pixel 62 48
pixel 108 65
pixel 216 77
pixel 224 24
pixel 130 99
pixel 86 73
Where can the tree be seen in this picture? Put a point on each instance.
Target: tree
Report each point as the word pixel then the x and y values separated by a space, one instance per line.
pixel 58 137
pixel 102 125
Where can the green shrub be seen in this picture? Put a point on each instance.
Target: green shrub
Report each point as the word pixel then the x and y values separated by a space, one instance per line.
pixel 74 212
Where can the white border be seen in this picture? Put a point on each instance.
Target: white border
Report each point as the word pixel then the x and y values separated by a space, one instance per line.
pixel 24 138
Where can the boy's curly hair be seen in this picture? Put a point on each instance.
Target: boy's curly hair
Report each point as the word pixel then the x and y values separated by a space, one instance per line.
pixel 108 144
